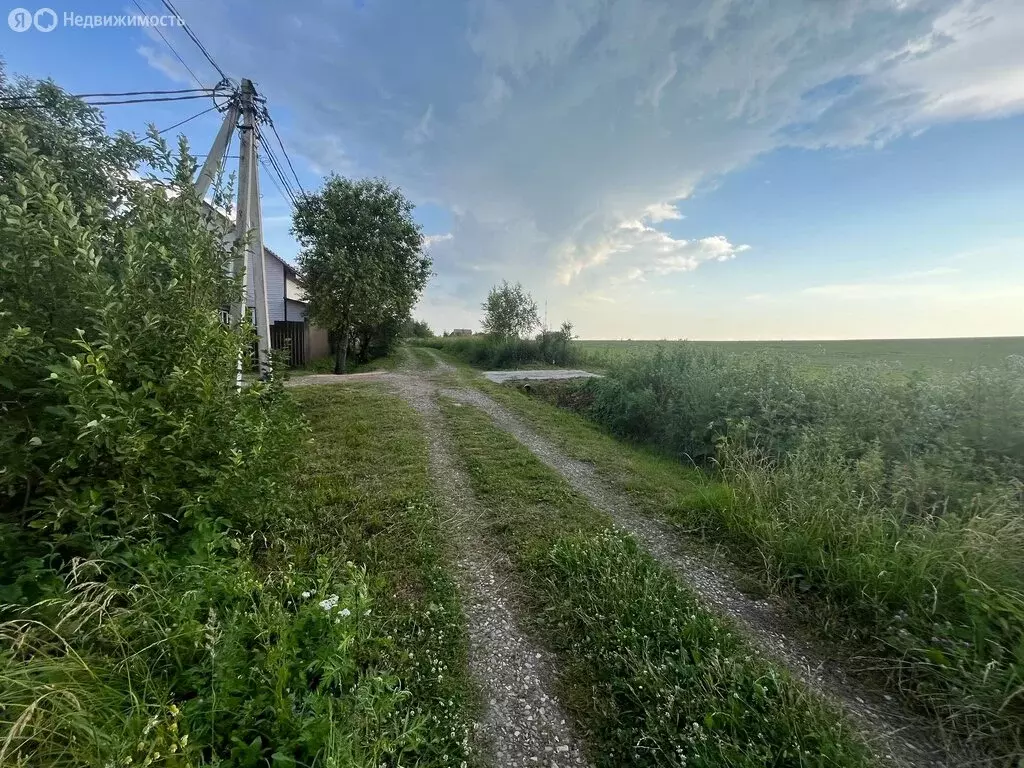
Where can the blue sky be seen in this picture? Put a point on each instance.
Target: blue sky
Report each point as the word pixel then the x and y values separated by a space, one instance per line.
pixel 713 169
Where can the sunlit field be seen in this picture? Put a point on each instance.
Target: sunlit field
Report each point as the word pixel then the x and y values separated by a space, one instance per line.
pixel 953 355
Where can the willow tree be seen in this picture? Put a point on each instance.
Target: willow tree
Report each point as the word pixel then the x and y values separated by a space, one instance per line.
pixel 362 260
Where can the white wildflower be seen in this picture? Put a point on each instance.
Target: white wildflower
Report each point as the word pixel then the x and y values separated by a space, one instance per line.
pixel 330 603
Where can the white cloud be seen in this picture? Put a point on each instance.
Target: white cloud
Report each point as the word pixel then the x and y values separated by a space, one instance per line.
pixel 969 65
pixel 661 212
pixel 925 274
pixel 429 240
pixel 165 64
pixel 423 129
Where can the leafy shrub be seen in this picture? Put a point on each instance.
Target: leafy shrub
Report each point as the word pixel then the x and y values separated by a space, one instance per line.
pixel 156 603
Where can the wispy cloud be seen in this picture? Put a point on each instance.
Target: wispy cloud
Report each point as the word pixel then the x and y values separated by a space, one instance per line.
pixel 429 240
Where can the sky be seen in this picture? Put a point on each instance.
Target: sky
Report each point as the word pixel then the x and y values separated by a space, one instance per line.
pixel 704 169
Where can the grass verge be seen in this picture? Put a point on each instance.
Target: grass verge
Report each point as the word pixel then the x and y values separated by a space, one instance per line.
pixel 658 484
pixel 369 502
pixel 651 677
pixel 326 364
pixel 421 357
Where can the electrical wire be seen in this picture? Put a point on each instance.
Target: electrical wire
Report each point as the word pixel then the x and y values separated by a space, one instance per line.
pixel 276 166
pixel 170 7
pixel 272 157
pixel 147 101
pixel 30 105
pixel 272 179
pixel 204 90
pixel 189 119
pixel 286 192
pixel 168 44
pixel 284 151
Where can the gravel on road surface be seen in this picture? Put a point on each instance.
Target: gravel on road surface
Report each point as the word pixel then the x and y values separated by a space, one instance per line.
pixel 522 723
pixel 894 735
pixel 500 377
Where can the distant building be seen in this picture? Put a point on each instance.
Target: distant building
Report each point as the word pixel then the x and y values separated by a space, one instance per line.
pixel 461 332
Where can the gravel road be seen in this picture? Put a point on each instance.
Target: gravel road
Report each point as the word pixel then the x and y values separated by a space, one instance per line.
pixel 523 724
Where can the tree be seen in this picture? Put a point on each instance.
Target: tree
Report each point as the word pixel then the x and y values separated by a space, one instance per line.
pixel 362 260
pixel 509 312
pixel 417 329
pixel 96 169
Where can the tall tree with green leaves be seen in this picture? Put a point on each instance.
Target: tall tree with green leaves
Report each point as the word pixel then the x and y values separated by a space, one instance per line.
pixel 362 260
pixel 96 168
pixel 509 312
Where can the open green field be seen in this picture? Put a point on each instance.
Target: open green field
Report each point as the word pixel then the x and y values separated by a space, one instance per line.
pixel 952 355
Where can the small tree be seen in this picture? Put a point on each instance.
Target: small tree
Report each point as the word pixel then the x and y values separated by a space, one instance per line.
pixel 509 312
pixel 418 329
pixel 362 261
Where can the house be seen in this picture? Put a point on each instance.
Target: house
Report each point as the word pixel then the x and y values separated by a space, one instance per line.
pixel 286 306
pixel 461 332
pixel 286 300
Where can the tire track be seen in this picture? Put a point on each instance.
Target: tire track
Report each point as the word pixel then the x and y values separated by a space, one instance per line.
pixel 894 735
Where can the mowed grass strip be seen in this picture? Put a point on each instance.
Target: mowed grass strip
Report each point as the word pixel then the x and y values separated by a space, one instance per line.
pixel 369 502
pixel 651 677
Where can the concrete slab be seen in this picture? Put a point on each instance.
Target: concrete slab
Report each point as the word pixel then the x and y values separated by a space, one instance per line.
pixel 500 377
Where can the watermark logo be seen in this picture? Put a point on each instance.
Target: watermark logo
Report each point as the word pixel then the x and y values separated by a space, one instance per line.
pixel 46 20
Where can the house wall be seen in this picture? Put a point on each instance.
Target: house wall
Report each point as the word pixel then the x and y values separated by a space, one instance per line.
pixel 275 287
pixel 293 290
pixel 296 310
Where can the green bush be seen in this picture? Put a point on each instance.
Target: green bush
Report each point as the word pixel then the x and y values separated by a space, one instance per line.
pixel 156 604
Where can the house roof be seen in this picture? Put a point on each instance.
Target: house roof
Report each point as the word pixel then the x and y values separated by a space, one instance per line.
pixel 229 218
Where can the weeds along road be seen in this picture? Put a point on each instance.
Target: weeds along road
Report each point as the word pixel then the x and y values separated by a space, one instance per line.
pixel 601 635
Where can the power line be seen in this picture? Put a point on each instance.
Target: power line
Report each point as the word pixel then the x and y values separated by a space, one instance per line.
pixel 170 7
pixel 278 177
pixel 189 119
pixel 29 105
pixel 168 44
pixel 148 101
pixel 272 179
pixel 276 165
pixel 280 172
pixel 283 150
pixel 204 90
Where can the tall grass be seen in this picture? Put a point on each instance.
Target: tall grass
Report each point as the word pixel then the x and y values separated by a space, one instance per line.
pixel 896 502
pixel 547 348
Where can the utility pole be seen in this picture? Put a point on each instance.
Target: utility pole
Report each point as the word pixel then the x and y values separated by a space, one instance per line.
pixel 249 221
pixel 248 217
pixel 218 150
